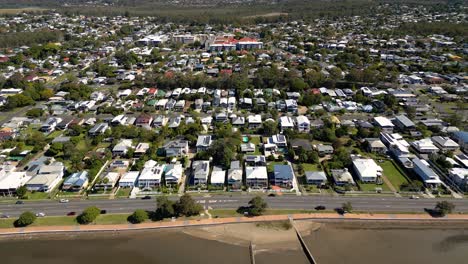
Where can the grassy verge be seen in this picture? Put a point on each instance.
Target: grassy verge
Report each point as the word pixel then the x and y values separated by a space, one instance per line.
pixel 393 174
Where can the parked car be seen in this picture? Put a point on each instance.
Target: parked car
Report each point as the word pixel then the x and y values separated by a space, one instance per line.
pixel 64 200
pixel 320 207
pixel 19 202
pixel 147 197
pixel 4 216
pixel 40 214
pixel 103 211
pixel 71 214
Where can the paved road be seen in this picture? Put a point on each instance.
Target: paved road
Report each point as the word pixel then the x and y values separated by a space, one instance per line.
pixel 372 204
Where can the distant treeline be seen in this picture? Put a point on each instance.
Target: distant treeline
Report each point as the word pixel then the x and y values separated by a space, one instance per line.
pixel 444 28
pixel 18 39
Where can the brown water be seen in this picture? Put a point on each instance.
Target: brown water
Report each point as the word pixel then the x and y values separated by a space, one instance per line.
pixel 389 244
pixel 331 243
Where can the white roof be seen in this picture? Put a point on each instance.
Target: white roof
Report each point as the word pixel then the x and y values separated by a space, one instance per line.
pixel 254 119
pixel 256 172
pixel 130 176
pixel 302 119
pixel 286 121
pixel 13 180
pixel 153 173
pixel 218 177
pixel 383 121
pixel 367 167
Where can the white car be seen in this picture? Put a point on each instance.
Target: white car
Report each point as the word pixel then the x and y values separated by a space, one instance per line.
pixel 40 215
pixel 64 200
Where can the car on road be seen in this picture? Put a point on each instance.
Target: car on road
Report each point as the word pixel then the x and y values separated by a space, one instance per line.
pixel 272 195
pixel 320 207
pixel 103 211
pixel 71 214
pixel 40 214
pixel 64 201
pixel 147 197
pixel 4 216
pixel 19 202
pixel 414 197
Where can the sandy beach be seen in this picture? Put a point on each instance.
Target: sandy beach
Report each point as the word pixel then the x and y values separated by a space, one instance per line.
pixel 330 241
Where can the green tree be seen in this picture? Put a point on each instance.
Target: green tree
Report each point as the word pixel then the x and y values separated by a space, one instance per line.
pixel 25 219
pixel 35 112
pixel 21 192
pixel 257 206
pixel 347 207
pixel 139 216
pixel 270 128
pixel 186 206
pixel 88 215
pixel 164 208
pixel 444 207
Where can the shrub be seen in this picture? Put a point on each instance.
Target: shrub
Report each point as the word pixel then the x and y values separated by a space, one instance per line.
pixel 139 216
pixel 89 215
pixel 25 219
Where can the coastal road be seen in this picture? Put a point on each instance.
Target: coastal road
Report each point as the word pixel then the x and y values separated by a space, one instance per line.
pixel 371 204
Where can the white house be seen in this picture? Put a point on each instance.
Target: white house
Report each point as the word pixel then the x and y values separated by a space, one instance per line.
pixel 129 179
pixel 425 146
pixel 384 123
pixel 256 177
pixel 286 122
pixel 303 124
pixel 151 176
pixel 367 170
pixel 200 172
pixel 47 178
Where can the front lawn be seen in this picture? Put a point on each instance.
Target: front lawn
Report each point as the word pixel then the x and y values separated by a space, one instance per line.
pixel 370 187
pixel 311 167
pixel 393 174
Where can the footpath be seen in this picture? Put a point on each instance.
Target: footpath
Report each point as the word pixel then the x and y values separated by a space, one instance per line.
pixel 227 220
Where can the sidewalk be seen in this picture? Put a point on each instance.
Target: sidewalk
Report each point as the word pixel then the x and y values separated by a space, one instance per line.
pixel 228 220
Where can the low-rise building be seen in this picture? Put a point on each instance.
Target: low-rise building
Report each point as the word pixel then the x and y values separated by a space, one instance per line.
pixel 129 179
pixel 256 177
pixel 445 143
pixel 200 172
pixel 423 170
pixel 367 170
pixel 283 176
pixel 342 177
pixel 204 142
pixel 76 182
pixel 316 177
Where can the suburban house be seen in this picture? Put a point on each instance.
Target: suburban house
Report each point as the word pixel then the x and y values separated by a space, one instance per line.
pixel 151 176
pixel 316 177
pixel 384 123
pixel 255 160
pixel 50 124
pixel 286 122
pixel 235 175
pixel 141 149
pixel 144 120
pixel 204 142
pixel 254 121
pixel 367 170
pixel 396 144
pixel 176 148
pixel 283 176
pixel 445 143
pixel 218 177
pixel 173 173
pixel 342 177
pixel 403 123
pixel 12 180
pixel 76 182
pixel 256 177
pixel 423 170
pixel 375 145
pixel 460 177
pixel 324 149
pixel 425 146
pixel 279 140
pixel 461 137
pixel 98 129
pixel 47 177
pixel 122 147
pixel 303 124
pixel 200 172
pixel 107 181
pixel 129 179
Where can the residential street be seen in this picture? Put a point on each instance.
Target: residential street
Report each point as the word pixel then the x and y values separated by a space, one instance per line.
pixel 373 204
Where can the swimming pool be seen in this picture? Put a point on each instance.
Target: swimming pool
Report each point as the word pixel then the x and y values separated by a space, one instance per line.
pixel 245 139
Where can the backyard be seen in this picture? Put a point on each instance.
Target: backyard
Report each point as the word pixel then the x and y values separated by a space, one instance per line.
pixel 393 174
